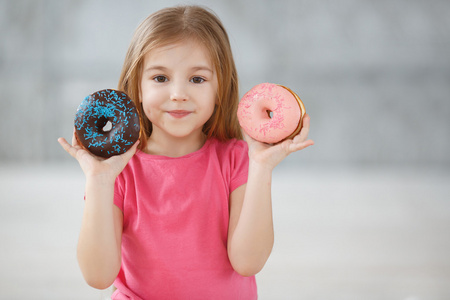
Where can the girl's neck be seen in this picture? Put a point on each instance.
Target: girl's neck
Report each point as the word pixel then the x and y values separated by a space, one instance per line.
pixel 173 146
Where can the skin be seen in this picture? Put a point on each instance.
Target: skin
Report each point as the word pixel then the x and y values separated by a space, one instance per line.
pixel 178 92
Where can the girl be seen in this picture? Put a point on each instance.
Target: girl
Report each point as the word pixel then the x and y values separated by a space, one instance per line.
pixel 186 213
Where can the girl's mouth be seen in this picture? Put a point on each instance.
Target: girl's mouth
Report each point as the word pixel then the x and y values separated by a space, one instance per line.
pixel 179 113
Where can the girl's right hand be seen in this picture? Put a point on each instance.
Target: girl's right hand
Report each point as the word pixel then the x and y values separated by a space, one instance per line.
pixel 94 166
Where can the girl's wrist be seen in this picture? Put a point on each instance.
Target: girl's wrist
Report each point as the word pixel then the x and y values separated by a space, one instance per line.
pixel 258 166
pixel 100 179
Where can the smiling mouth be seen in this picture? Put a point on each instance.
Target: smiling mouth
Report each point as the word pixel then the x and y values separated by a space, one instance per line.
pixel 179 113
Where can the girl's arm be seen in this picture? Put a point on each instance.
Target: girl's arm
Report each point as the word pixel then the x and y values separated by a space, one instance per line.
pixel 250 234
pixel 99 244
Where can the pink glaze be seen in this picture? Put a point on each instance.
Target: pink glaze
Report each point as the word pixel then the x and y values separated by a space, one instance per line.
pixel 254 118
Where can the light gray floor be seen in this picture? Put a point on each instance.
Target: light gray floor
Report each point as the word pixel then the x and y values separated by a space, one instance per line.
pixel 341 233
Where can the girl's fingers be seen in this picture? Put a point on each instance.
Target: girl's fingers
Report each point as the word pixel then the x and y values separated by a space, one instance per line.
pixel 75 141
pixel 306 120
pixel 301 141
pixel 303 135
pixel 66 146
pixel 300 146
pixel 129 154
pixel 74 138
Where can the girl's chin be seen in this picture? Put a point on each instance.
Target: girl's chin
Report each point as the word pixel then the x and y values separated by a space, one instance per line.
pixel 178 133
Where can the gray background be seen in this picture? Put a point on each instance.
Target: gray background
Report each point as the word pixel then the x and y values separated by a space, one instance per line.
pixel 374 75
pixel 363 214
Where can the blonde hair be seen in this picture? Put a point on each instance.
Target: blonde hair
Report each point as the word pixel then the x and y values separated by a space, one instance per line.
pixel 172 25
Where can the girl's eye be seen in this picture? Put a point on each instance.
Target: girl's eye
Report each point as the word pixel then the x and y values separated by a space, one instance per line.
pixel 160 78
pixel 197 79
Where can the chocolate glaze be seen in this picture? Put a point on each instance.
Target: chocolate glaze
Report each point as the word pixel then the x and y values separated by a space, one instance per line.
pixel 94 113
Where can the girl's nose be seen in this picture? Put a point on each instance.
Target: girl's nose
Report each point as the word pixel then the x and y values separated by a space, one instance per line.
pixel 178 92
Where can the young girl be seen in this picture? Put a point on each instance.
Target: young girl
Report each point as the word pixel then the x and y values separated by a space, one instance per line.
pixel 186 213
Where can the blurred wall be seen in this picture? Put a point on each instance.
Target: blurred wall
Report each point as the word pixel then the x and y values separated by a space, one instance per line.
pixel 374 75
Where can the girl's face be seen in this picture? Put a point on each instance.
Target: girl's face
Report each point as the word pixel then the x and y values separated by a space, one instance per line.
pixel 178 89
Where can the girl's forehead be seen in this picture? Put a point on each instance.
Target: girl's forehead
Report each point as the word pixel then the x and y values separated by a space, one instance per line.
pixel 180 51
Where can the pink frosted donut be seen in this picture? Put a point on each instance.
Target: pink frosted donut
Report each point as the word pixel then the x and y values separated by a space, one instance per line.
pixel 271 113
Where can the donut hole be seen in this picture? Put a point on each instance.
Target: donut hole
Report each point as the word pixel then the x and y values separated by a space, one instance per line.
pixel 107 127
pixel 104 125
pixel 269 113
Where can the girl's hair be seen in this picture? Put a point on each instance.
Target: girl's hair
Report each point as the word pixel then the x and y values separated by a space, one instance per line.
pixel 173 25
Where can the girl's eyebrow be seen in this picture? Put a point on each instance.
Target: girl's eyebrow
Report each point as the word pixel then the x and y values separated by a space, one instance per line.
pixel 155 68
pixel 164 69
pixel 202 68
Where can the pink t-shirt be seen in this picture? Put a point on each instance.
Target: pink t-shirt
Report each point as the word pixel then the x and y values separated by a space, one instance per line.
pixel 175 225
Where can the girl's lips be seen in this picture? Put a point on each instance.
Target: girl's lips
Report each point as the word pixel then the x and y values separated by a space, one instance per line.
pixel 179 113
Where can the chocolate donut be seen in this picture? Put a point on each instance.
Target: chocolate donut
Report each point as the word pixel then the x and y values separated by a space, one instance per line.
pixel 107 123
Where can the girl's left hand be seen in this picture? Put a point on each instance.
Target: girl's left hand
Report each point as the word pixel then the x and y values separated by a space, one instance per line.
pixel 271 155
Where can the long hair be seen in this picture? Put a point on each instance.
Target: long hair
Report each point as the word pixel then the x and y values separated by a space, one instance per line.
pixel 172 25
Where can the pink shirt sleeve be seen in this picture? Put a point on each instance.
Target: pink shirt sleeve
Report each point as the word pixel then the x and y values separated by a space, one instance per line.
pixel 239 165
